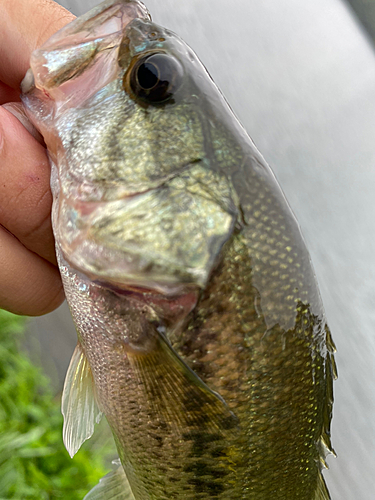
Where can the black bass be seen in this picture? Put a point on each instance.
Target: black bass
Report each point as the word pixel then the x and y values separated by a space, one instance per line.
pixel 201 332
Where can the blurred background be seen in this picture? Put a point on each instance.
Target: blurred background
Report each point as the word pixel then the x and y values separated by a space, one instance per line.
pixel 301 78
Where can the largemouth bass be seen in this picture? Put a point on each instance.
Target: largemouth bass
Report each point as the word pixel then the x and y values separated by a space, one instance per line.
pixel 201 332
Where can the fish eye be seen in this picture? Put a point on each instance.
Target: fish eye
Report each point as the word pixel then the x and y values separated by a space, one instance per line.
pixel 154 78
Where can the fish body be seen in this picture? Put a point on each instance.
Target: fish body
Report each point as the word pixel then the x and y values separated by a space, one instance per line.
pixel 201 332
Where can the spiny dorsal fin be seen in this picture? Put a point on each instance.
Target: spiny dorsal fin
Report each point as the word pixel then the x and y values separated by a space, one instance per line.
pixel 113 486
pixel 176 393
pixel 325 446
pixel 331 375
pixel 322 491
pixel 78 404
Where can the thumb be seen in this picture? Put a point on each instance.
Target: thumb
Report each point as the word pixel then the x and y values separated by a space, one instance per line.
pixel 24 26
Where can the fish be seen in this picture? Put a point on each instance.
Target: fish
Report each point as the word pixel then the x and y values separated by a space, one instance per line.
pixel 202 336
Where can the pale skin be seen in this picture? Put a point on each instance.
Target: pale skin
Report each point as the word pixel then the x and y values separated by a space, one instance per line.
pixel 29 278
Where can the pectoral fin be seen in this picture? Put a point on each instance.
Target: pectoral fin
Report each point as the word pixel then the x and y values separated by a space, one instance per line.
pixel 176 393
pixel 113 486
pixel 78 404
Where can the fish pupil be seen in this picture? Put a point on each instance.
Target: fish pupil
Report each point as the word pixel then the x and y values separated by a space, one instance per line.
pixel 148 76
pixel 155 77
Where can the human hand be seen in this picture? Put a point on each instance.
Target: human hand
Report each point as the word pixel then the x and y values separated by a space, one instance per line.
pixel 29 278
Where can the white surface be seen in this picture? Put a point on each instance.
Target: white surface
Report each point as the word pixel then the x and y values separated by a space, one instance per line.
pixel 301 78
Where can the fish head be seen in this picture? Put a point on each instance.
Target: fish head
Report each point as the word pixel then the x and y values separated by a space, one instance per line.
pixel 121 103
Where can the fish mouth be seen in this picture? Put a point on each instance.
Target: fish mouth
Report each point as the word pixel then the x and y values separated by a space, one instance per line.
pixel 66 54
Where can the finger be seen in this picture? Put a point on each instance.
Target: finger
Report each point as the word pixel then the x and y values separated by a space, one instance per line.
pixel 24 26
pixel 29 284
pixel 25 196
pixel 17 110
pixel 7 94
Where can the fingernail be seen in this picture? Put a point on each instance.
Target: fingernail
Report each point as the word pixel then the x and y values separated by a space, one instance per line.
pixel 18 111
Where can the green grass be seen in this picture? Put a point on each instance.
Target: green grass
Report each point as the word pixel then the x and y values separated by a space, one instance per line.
pixel 33 461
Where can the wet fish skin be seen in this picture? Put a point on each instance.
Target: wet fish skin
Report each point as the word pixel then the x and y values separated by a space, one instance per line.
pixel 197 310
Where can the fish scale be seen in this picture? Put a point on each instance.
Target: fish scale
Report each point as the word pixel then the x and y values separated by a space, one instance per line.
pixel 274 388
pixel 201 332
